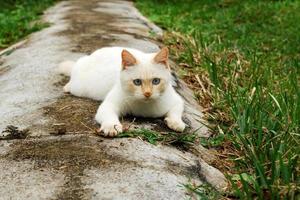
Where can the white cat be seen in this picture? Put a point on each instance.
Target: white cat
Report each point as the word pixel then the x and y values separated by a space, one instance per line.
pixel 130 82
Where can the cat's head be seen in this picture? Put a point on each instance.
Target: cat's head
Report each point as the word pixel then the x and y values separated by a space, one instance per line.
pixel 145 76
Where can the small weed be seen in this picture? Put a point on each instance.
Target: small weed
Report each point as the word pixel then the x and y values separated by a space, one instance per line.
pixel 13 132
pixel 214 141
pixel 175 139
pixel 202 192
pixel 151 136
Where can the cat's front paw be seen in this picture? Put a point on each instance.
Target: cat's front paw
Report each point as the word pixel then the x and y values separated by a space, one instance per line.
pixel 110 129
pixel 175 124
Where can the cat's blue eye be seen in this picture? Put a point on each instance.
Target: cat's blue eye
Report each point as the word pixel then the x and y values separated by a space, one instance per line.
pixel 155 81
pixel 137 82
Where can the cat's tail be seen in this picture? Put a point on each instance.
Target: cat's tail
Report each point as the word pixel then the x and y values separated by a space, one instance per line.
pixel 66 67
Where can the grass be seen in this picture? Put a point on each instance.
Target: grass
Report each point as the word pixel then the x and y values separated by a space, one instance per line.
pixel 18 18
pixel 242 58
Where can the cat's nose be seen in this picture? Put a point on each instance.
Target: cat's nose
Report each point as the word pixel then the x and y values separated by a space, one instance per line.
pixel 147 94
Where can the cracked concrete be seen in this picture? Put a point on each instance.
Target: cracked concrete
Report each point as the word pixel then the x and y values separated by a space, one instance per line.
pixel 80 165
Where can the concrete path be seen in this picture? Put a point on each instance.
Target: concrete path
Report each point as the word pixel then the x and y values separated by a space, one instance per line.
pixel 61 158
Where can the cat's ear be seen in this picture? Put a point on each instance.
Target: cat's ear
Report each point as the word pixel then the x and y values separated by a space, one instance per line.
pixel 127 59
pixel 162 57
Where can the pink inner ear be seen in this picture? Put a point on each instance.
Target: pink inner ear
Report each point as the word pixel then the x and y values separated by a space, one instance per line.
pixel 127 59
pixel 162 56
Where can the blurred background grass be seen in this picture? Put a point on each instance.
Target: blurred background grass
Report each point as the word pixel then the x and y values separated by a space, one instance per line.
pixel 242 59
pixel 18 18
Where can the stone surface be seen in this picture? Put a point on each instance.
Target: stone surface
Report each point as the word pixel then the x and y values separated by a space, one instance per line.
pixel 80 165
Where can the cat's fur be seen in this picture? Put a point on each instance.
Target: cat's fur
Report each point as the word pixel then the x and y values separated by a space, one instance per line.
pixel 108 74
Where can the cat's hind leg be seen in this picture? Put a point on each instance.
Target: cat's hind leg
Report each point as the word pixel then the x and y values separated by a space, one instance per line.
pixel 67 87
pixel 66 67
